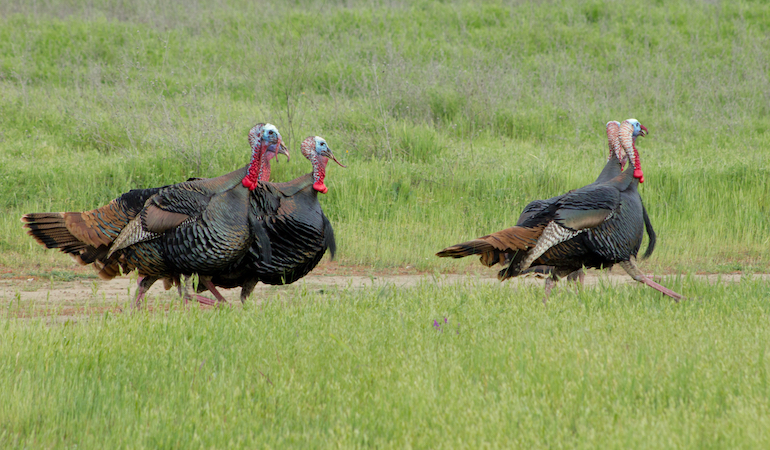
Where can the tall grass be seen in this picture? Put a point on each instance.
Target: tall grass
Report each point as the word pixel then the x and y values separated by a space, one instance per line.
pixel 451 115
pixel 466 366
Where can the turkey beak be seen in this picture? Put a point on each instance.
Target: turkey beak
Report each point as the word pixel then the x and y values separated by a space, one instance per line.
pixel 644 130
pixel 331 155
pixel 283 150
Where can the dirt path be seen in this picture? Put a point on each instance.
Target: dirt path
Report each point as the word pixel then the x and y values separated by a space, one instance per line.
pixel 33 296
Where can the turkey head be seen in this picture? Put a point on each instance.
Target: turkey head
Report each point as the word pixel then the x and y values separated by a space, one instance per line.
pixel 262 138
pixel 318 152
pixel 630 129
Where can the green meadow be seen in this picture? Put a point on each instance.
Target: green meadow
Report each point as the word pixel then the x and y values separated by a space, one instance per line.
pixel 468 366
pixel 451 116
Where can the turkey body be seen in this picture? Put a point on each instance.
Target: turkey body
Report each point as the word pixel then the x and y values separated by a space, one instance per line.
pixel 203 226
pixel 596 226
pixel 199 226
pixel 297 229
pixel 617 238
pixel 552 265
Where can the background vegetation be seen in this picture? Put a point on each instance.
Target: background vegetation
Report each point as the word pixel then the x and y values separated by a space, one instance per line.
pixel 451 115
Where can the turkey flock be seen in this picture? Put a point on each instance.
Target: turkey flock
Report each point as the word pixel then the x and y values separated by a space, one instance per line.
pixel 232 231
pixel 238 229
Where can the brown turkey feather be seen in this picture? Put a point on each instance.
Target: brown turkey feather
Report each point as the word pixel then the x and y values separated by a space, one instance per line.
pixel 87 236
pixel 96 227
pixel 49 230
pixel 493 247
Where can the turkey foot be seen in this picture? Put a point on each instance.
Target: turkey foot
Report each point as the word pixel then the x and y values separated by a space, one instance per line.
pixel 142 285
pixel 203 300
pixel 549 282
pixel 210 286
pixel 184 292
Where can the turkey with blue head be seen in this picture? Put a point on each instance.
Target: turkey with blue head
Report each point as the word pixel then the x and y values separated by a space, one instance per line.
pixel 298 231
pixel 616 161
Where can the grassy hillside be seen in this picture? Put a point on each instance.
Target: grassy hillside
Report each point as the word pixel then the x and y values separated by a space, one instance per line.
pixel 451 116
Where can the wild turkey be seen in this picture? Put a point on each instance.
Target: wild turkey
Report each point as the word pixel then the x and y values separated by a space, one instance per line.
pixel 597 226
pixel 297 229
pixel 125 234
pixel 614 167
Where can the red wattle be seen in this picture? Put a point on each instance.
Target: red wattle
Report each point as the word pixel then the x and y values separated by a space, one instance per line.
pixel 249 184
pixel 320 187
pixel 638 174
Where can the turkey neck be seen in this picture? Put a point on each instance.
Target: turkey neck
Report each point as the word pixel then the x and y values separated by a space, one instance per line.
pixel 610 170
pixel 628 142
pixel 256 167
pixel 625 179
pixel 319 173
pixel 289 188
pixel 264 169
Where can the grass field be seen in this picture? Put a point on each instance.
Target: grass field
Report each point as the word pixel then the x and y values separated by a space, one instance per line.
pixel 451 116
pixel 467 366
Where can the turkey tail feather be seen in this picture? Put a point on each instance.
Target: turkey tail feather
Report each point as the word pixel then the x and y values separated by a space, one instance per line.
pixel 463 249
pixel 650 234
pixel 50 230
pixel 495 246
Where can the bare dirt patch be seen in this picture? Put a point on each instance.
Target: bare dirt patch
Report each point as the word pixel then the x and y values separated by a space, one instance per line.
pixel 35 295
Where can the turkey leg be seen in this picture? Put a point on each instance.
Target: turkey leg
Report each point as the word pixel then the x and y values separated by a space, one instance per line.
pixel 636 274
pixel 142 286
pixel 184 291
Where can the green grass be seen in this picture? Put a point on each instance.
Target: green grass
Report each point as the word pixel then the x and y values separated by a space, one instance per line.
pixel 451 116
pixel 603 367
